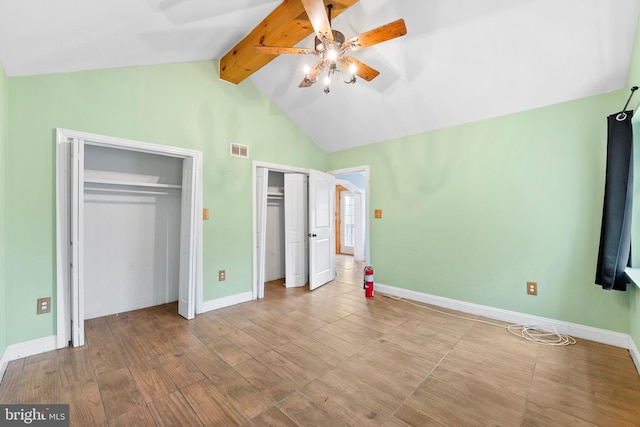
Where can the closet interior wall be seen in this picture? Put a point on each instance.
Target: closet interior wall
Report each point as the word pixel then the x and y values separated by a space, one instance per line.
pixel 275 242
pixel 132 208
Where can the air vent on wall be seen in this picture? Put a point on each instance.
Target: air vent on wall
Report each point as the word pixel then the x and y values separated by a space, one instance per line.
pixel 239 150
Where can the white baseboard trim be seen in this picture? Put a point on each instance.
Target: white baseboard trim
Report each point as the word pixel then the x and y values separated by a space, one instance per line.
pixel 226 301
pixel 24 349
pixel 604 336
pixel 41 345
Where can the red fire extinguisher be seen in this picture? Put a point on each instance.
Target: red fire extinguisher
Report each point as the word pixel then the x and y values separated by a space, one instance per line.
pixel 368 281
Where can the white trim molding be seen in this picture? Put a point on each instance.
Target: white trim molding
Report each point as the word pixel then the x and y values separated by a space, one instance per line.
pixel 603 336
pixel 223 302
pixel 26 348
pixel 635 354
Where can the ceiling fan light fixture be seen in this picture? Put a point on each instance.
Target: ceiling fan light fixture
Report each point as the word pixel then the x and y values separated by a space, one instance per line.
pixel 331 47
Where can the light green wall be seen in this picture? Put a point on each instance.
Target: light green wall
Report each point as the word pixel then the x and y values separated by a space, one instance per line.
pixel 634 80
pixel 475 211
pixel 471 212
pixel 3 168
pixel 183 105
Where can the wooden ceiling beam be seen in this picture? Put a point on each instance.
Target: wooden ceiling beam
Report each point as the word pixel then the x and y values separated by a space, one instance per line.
pixel 287 25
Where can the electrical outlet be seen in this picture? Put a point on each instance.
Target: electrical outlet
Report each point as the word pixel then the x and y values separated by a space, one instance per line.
pixel 222 275
pixel 205 214
pixel 532 288
pixel 44 305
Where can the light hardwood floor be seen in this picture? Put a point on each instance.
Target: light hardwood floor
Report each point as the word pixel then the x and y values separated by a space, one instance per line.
pixel 328 358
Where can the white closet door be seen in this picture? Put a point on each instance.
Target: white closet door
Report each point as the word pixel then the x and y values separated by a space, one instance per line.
pixel 262 181
pixel 295 202
pixel 322 199
pixel 77 224
pixel 188 265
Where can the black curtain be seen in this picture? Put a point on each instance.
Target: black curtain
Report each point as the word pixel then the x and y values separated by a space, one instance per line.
pixel 615 234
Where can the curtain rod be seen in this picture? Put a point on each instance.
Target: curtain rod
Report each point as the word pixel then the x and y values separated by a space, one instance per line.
pixel 622 115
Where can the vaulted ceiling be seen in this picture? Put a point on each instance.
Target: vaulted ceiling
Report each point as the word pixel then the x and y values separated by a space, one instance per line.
pixel 461 60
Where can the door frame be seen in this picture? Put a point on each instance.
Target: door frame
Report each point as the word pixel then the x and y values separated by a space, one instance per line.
pixel 66 206
pixel 367 205
pixel 339 189
pixel 257 288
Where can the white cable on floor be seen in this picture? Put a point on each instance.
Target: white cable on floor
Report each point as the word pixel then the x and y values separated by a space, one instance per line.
pixel 541 335
pixel 534 334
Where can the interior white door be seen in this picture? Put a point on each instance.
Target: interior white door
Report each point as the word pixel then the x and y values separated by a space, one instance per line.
pixel 322 257
pixel 77 224
pixel 188 264
pixel 295 203
pixel 262 182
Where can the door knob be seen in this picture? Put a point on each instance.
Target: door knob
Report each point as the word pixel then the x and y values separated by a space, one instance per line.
pixel 312 235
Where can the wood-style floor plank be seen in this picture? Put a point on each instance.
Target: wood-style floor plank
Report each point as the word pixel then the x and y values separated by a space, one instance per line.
pixel 247 399
pixel 205 359
pixel 343 405
pixel 139 417
pixel 305 412
pixel 173 410
pixel 153 382
pixel 180 369
pixel 85 404
pixel 326 357
pixel 38 378
pixel 273 417
pixel 11 382
pixel 75 366
pixel 119 392
pixel 211 405
pixel 408 416
pixel 265 380
pixel 106 357
pixel 287 369
pixel 228 351
pixel 247 343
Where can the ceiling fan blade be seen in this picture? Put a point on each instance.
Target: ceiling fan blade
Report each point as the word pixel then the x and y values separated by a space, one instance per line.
pixel 362 69
pixel 318 16
pixel 280 50
pixel 378 35
pixel 312 75
pixel 287 25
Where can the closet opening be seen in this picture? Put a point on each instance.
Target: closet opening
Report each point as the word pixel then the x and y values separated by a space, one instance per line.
pixel 128 229
pixel 294 232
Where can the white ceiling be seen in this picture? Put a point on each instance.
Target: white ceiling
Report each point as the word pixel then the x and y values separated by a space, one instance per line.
pixel 461 60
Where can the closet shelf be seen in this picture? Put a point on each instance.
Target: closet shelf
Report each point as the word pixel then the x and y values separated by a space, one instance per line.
pixel 98 182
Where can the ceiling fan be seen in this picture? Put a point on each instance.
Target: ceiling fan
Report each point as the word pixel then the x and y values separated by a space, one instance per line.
pixel 330 46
